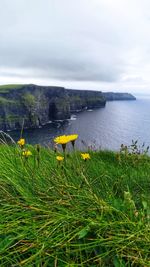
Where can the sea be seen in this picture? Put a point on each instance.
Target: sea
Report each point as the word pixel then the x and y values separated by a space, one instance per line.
pixel 119 122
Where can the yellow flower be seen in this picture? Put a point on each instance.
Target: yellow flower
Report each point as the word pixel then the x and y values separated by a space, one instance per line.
pixel 85 156
pixel 21 142
pixel 60 158
pixel 26 153
pixel 73 137
pixel 63 139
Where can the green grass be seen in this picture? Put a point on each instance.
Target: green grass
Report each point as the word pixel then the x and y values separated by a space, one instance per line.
pixel 93 213
pixel 7 87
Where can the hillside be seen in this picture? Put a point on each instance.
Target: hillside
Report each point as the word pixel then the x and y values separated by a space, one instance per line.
pixel 74 212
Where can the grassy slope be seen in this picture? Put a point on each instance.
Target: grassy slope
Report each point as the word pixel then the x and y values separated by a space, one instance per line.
pixel 7 87
pixel 74 214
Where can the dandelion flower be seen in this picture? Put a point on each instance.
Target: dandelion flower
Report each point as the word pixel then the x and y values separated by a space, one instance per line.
pixel 26 153
pixel 73 138
pixel 60 158
pixel 63 140
pixel 85 156
pixel 21 142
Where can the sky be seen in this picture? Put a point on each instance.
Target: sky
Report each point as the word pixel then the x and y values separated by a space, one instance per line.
pixel 84 44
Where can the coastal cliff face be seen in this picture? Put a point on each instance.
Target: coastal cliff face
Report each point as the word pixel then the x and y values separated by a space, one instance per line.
pixel 110 96
pixel 33 106
pixel 81 99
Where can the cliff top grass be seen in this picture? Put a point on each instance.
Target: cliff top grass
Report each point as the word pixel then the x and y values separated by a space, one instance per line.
pixel 73 212
pixel 7 87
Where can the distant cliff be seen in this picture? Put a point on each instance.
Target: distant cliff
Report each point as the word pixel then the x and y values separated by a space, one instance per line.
pixel 37 105
pixel 110 96
pixel 81 99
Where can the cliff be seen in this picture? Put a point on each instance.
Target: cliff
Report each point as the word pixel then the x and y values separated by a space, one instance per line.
pixel 110 96
pixel 81 99
pixel 37 105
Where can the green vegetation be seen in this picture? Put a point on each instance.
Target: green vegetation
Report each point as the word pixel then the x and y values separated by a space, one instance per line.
pixel 7 87
pixel 29 101
pixel 61 104
pixel 86 100
pixel 74 212
pixel 5 101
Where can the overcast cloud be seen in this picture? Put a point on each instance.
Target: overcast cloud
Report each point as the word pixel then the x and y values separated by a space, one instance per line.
pixel 87 44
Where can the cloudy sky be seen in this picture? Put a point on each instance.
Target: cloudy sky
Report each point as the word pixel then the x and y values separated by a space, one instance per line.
pixel 87 44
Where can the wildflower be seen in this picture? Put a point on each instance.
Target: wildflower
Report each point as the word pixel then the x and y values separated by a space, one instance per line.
pixel 85 156
pixel 26 153
pixel 73 138
pixel 21 142
pixel 63 140
pixel 60 158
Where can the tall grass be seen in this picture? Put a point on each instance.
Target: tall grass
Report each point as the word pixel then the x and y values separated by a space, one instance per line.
pixel 76 213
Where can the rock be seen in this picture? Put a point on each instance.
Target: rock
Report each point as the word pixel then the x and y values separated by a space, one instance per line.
pixel 32 106
pixel 84 99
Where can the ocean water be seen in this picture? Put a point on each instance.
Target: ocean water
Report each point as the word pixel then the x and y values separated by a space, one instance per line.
pixel 106 128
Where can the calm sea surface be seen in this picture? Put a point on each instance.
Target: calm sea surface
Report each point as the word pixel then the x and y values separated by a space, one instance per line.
pixel 107 128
